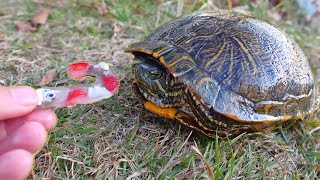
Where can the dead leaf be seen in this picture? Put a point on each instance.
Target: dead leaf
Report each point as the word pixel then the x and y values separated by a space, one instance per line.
pixel 138 10
pixel 41 17
pixel 48 77
pixel 2 37
pixel 233 3
pixel 38 19
pixel 275 2
pixel 24 26
pixel 116 28
pixel 103 10
pixel 190 3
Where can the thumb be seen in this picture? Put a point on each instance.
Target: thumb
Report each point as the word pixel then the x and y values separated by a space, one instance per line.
pixel 17 101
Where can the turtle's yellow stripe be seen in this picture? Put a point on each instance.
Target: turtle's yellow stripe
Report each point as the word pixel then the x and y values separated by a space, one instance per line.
pixel 156 54
pixel 248 54
pixel 231 65
pixel 202 80
pixel 160 86
pixel 161 59
pixel 180 59
pixel 221 63
pixel 201 37
pixel 145 51
pixel 198 37
pixel 217 55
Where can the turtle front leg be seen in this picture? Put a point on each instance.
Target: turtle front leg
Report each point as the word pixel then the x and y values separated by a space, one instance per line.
pixel 173 113
pixel 164 112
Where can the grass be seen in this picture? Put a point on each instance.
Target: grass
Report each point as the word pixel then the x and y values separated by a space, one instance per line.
pixel 117 138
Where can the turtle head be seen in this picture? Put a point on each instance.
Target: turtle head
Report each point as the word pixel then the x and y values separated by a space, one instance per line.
pixel 156 84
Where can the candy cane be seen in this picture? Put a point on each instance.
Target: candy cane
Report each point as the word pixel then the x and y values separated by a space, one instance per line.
pixel 106 85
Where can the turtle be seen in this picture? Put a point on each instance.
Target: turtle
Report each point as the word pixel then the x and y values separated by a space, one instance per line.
pixel 223 72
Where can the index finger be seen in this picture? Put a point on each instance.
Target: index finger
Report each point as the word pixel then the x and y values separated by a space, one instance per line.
pixel 17 101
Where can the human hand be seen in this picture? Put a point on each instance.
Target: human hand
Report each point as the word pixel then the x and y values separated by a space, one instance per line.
pixel 23 130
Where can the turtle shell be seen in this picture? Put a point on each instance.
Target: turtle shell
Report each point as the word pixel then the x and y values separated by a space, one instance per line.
pixel 241 67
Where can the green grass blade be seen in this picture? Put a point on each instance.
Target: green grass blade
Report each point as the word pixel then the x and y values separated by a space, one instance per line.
pixel 217 158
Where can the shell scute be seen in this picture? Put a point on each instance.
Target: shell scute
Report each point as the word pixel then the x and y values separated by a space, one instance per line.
pixel 174 58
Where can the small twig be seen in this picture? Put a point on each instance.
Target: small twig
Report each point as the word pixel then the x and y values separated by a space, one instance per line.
pixel 158 18
pixel 180 7
pixel 315 129
pixel 69 159
pixel 205 161
pixel 210 5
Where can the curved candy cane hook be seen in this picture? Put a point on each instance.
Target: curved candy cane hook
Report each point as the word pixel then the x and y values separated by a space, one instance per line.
pixel 106 85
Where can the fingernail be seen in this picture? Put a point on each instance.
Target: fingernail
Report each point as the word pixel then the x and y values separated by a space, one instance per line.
pixel 24 95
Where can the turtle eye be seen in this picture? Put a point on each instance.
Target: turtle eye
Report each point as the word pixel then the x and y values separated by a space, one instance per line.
pixel 156 73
